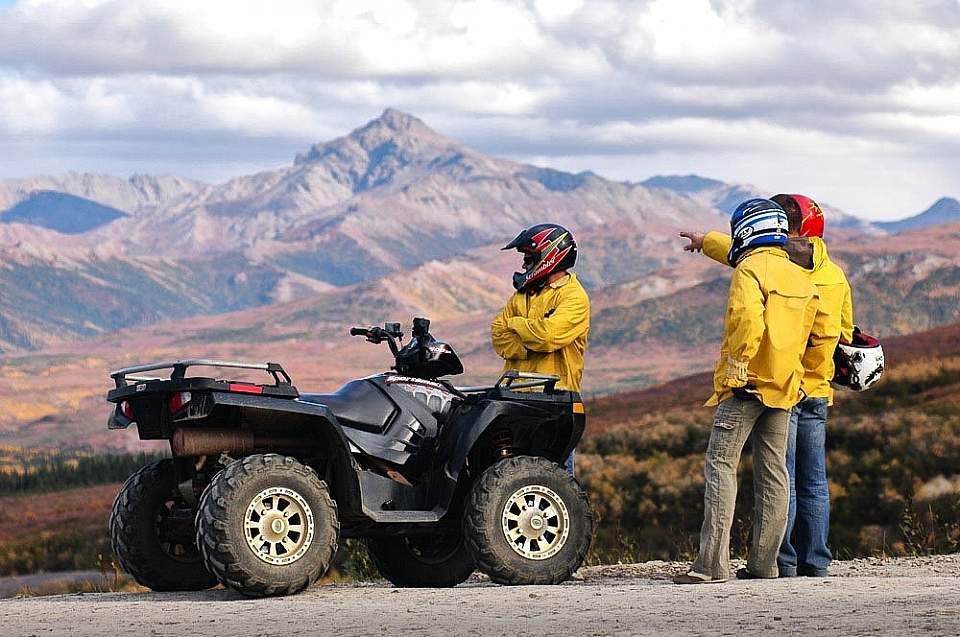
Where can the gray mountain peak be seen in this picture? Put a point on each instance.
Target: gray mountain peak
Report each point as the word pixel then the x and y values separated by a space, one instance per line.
pixel 393 130
pixel 374 153
pixel 944 210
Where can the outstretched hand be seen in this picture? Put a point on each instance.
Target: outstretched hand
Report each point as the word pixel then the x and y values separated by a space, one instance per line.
pixel 696 241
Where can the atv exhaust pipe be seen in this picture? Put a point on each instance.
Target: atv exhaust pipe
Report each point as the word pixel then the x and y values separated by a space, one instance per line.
pixel 207 442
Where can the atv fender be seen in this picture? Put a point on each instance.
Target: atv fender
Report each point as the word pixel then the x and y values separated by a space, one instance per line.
pixel 264 411
pixel 536 430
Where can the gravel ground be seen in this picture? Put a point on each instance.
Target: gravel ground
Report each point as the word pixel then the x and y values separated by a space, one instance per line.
pixel 916 596
pixel 928 566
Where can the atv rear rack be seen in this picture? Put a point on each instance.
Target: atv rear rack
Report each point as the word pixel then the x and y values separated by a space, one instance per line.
pixel 121 376
pixel 506 381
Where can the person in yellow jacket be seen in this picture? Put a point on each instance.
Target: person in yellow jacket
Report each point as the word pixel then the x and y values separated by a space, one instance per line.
pixel 804 550
pixel 543 327
pixel 769 319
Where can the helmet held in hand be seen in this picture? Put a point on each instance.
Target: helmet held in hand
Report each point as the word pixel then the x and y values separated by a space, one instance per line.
pixel 858 365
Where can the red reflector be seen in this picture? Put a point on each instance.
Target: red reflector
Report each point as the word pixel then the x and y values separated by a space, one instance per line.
pixel 126 409
pixel 246 389
pixel 178 400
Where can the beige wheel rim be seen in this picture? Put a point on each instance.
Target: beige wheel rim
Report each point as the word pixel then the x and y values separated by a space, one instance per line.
pixel 278 526
pixel 535 522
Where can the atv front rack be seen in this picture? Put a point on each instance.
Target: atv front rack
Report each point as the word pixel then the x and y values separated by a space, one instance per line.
pixel 179 370
pixel 506 381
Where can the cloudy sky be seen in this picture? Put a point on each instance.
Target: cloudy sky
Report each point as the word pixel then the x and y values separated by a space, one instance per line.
pixel 856 103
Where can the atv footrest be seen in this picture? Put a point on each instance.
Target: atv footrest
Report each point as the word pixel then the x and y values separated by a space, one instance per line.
pixel 405 516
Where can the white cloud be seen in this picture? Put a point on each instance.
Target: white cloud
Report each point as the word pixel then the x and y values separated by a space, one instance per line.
pixel 696 35
pixel 341 38
pixel 556 11
pixel 28 107
pixel 764 85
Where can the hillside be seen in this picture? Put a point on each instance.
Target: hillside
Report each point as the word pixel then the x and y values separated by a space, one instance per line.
pixel 944 210
pixel 892 455
pixel 906 356
pixel 140 194
pixel 83 255
pixel 643 331
pixel 389 197
pixel 388 222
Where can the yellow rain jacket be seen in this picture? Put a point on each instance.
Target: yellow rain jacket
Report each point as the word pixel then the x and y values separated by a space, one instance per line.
pixel 546 331
pixel 834 319
pixel 770 313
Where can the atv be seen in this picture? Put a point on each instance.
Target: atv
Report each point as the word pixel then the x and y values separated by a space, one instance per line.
pixel 264 481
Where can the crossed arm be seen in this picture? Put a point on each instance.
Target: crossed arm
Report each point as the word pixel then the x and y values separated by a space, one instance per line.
pixel 506 342
pixel 559 328
pixel 514 335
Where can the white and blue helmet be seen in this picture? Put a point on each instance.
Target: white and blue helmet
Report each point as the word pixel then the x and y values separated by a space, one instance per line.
pixel 756 222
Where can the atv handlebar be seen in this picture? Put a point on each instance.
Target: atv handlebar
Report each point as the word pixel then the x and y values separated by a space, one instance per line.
pixel 377 335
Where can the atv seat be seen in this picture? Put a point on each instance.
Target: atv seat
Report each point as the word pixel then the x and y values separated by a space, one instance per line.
pixel 357 405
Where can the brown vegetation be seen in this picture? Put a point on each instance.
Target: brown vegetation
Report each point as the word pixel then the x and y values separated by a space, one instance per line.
pixel 893 459
pixel 59 531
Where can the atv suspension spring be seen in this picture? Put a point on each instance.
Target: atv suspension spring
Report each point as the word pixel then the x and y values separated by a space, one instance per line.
pixel 503 442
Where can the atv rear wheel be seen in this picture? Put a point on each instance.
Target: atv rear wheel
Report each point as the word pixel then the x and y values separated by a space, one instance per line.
pixel 528 522
pixel 151 529
pixel 267 526
pixel 422 561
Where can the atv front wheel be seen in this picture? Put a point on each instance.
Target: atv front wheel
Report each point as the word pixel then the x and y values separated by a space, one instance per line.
pixel 267 526
pixel 151 529
pixel 528 522
pixel 422 561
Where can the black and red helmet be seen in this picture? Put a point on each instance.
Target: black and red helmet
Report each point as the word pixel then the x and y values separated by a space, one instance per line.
pixel 547 248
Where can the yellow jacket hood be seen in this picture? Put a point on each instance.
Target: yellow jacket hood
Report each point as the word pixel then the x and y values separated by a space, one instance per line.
pixel 825 271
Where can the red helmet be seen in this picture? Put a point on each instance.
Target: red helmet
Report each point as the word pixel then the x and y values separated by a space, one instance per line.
pixel 812 215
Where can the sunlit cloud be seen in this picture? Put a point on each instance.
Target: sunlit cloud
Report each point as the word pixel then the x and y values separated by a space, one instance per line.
pixel 614 86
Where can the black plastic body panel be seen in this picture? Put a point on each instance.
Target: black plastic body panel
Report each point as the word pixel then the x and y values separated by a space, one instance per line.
pixel 360 404
pixel 147 387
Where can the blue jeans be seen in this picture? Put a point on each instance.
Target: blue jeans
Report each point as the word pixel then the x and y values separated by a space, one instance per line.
pixel 804 548
pixel 568 464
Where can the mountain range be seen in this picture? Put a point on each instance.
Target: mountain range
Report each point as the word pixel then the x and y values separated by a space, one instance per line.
pixel 85 254
pixel 390 221
pixel 944 211
pixel 391 196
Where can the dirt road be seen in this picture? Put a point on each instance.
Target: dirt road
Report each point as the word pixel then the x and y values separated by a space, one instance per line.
pixel 905 597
